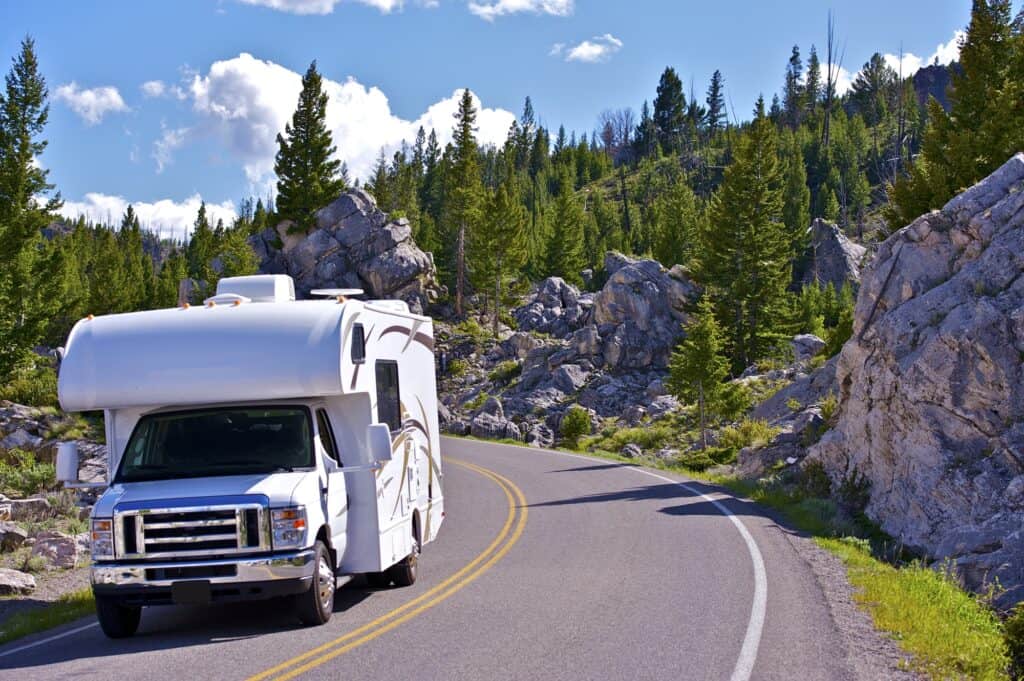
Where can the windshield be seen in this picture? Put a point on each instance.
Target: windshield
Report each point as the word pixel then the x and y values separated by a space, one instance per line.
pixel 229 441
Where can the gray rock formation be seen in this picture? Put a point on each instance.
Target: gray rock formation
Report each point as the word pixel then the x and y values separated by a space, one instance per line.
pixel 16 583
pixel 932 384
pixel 831 258
pixel 61 551
pixel 354 245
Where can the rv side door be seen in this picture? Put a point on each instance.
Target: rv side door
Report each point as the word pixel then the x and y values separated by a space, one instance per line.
pixel 336 502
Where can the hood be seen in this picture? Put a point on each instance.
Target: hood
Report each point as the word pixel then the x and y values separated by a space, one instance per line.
pixel 278 488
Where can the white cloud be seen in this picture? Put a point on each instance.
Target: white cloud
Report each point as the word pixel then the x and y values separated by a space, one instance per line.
pixel 170 140
pixel 321 6
pixel 158 88
pixel 944 53
pixel 556 50
pixel 91 104
pixel 597 49
pixel 167 217
pixel 489 10
pixel 246 101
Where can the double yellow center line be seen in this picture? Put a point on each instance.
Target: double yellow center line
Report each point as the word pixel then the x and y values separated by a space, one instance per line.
pixel 501 545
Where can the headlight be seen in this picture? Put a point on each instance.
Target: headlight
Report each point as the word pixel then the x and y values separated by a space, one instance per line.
pixel 289 527
pixel 102 539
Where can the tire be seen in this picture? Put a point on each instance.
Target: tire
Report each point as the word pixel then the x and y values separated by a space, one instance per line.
pixel 117 620
pixel 378 580
pixel 404 572
pixel 315 606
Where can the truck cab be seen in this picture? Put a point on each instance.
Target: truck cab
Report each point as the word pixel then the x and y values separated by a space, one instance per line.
pixel 254 444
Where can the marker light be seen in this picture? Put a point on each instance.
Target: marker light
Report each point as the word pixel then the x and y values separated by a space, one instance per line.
pixel 102 539
pixel 289 527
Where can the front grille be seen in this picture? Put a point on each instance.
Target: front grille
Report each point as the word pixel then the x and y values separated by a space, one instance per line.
pixel 191 532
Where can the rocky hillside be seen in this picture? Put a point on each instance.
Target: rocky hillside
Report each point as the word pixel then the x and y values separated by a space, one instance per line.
pixel 931 386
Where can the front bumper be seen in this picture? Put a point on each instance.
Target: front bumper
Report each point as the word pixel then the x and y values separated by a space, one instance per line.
pixel 230 579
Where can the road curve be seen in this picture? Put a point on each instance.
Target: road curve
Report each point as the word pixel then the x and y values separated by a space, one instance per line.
pixel 549 566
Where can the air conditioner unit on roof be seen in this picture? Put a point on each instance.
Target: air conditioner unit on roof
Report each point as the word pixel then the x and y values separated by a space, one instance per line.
pixel 259 288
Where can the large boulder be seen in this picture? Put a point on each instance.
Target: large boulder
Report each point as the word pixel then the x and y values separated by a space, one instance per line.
pixel 353 245
pixel 932 384
pixel 553 307
pixel 831 258
pixel 16 583
pixel 61 551
pixel 640 311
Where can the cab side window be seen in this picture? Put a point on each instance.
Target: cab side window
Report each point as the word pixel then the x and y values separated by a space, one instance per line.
pixel 330 446
pixel 358 344
pixel 389 410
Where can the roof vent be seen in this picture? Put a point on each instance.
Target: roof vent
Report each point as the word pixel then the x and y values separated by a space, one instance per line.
pixel 260 288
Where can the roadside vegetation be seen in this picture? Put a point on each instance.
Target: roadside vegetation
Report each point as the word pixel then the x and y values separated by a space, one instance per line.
pixel 69 607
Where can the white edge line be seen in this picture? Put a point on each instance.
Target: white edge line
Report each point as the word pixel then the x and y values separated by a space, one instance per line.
pixel 40 642
pixel 752 640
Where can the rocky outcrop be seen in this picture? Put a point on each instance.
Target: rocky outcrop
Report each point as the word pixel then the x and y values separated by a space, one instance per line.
pixel 61 551
pixel 831 258
pixel 932 384
pixel 16 583
pixel 353 245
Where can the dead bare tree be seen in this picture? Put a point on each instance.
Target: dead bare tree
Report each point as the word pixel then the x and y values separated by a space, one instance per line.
pixel 834 64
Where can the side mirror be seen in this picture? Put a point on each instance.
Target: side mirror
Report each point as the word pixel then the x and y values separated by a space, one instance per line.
pixel 67 462
pixel 378 436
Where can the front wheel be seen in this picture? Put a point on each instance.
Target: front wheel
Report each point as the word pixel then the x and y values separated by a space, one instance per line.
pixel 117 620
pixel 315 606
pixel 403 573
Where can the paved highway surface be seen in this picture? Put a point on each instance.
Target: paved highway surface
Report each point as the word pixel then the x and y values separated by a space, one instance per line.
pixel 548 566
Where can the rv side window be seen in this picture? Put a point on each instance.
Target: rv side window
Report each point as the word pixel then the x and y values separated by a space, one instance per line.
pixel 388 409
pixel 358 344
pixel 323 424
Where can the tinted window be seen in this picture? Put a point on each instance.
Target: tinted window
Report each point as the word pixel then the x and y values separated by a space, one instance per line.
pixel 232 441
pixel 358 344
pixel 323 424
pixel 388 408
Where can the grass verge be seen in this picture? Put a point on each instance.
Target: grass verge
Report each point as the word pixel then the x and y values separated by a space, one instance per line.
pixel 951 633
pixel 69 607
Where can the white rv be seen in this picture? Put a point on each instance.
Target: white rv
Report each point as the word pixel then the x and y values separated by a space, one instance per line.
pixel 259 446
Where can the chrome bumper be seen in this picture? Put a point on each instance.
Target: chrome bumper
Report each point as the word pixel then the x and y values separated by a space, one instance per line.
pixel 285 566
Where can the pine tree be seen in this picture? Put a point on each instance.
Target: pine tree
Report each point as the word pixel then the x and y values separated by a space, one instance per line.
pixel 677 225
pixel 464 194
pixel 138 266
pixel 813 89
pixel 200 253
pixel 746 250
pixel 978 134
pixel 306 167
pixel 236 255
pixel 698 369
pixel 564 254
pixel 29 280
pixel 646 137
pixel 872 90
pixel 172 271
pixel 670 111
pixel 715 117
pixel 796 211
pixel 499 245
pixel 793 90
pixel 107 275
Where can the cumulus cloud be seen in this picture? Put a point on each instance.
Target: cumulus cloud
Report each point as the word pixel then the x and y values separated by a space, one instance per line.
pixel 91 104
pixel 246 101
pixel 169 218
pixel 492 9
pixel 320 6
pixel 597 49
pixel 170 140
pixel 944 53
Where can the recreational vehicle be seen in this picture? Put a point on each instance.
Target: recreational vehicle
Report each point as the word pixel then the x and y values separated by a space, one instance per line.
pixel 258 446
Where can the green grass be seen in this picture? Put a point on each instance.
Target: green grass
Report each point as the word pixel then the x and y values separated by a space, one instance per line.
pixel 952 634
pixel 70 607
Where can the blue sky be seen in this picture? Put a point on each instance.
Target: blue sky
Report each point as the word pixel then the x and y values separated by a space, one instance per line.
pixel 163 103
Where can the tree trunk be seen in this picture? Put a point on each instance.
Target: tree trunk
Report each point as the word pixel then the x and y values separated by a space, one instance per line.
pixel 497 298
pixel 703 422
pixel 460 268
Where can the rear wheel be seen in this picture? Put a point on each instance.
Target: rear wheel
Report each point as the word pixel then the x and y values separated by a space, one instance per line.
pixel 315 606
pixel 117 620
pixel 403 573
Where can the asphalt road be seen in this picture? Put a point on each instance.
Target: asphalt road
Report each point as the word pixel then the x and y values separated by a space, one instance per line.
pixel 548 566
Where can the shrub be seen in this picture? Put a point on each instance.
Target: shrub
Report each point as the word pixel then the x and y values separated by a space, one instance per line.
pixel 814 481
pixel 1014 631
pixel 697 460
pixel 505 371
pixel 575 424
pixel 33 564
pixel 477 401
pixel 854 492
pixel 829 406
pixel 747 433
pixel 37 388
pixel 457 367
pixel 793 404
pixel 21 474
